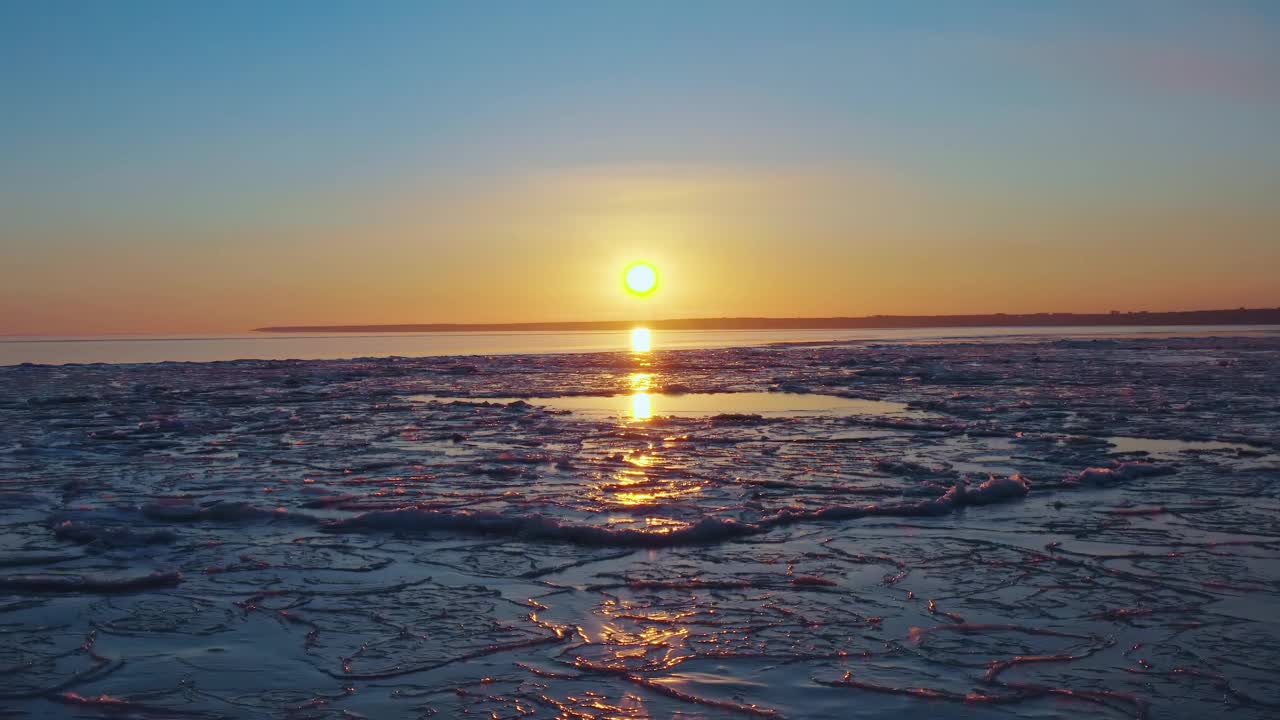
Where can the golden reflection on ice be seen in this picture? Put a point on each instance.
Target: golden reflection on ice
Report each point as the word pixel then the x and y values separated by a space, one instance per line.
pixel 631 489
pixel 634 498
pixel 644 484
pixel 651 635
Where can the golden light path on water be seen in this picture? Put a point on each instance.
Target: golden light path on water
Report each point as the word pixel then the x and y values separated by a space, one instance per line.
pixel 641 408
pixel 641 340
pixel 641 402
pixel 643 485
pixel 641 278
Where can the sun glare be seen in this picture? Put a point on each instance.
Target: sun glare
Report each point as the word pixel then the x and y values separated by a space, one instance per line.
pixel 640 278
pixel 641 340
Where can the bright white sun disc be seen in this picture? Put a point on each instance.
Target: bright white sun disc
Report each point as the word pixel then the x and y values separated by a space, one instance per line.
pixel 640 278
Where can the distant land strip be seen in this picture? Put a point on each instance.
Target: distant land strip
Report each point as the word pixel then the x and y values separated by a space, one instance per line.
pixel 1242 316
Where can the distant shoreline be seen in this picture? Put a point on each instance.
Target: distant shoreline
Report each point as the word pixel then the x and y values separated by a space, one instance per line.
pixel 1261 316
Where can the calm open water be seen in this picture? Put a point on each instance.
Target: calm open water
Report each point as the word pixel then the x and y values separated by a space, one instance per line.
pixel 264 346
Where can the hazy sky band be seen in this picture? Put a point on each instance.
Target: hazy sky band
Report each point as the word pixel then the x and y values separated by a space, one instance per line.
pixel 205 167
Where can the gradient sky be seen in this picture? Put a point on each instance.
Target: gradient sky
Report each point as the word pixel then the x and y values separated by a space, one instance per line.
pixel 206 167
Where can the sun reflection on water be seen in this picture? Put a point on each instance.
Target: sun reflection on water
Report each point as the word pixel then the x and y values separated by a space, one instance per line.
pixel 640 406
pixel 641 401
pixel 641 340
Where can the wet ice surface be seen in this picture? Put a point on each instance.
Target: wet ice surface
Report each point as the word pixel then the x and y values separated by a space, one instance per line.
pixel 1038 530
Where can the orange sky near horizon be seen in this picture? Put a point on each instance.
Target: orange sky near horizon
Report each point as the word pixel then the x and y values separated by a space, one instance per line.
pixel 727 244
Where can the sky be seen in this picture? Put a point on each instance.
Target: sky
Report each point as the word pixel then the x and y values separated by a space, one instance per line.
pixel 213 167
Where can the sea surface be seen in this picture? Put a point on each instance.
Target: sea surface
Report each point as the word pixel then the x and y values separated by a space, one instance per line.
pixel 306 346
pixel 1019 524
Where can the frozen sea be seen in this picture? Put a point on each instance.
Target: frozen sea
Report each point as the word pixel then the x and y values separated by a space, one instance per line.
pixel 1029 524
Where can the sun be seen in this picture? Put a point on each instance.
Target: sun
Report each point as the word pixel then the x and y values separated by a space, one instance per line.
pixel 640 278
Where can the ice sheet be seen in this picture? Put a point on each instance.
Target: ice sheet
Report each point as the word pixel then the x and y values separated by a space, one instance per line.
pixel 986 530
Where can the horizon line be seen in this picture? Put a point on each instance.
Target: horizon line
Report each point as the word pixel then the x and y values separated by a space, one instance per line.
pixel 1236 316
